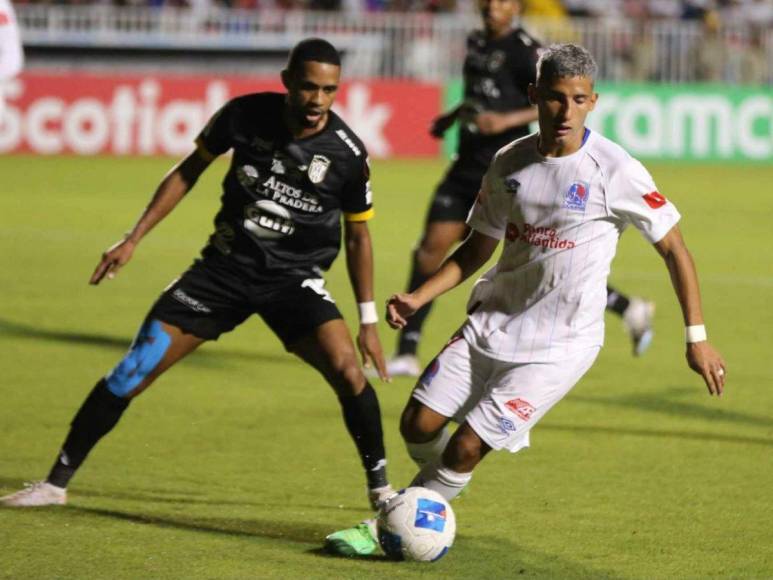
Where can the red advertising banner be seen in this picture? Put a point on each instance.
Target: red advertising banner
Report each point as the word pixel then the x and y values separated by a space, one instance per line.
pixel 90 114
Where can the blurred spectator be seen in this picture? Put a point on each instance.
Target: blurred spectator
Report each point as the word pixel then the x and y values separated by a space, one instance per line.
pixel 543 9
pixel 707 54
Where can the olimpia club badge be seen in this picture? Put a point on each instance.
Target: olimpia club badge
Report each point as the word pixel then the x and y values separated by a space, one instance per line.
pixel 318 168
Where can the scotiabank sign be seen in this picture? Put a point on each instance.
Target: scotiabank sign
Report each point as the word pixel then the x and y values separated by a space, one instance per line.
pixel 140 115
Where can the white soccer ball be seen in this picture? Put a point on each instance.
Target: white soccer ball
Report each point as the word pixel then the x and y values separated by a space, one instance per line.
pixel 416 524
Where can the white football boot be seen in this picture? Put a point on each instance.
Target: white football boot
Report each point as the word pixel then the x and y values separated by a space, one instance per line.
pixel 637 320
pixel 404 365
pixel 35 494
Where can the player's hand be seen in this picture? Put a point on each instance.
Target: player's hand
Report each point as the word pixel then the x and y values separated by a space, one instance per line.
pixel 399 308
pixel 707 362
pixel 490 123
pixel 441 124
pixel 113 260
pixel 370 350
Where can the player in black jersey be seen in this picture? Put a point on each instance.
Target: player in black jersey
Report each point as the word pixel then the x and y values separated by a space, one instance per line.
pixel 296 169
pixel 498 68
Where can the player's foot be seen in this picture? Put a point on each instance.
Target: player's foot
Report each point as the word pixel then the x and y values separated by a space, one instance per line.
pixel 38 493
pixel 404 365
pixel 352 542
pixel 637 320
pixel 378 496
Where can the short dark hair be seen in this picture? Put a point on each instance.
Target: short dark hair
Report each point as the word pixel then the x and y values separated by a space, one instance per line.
pixel 316 49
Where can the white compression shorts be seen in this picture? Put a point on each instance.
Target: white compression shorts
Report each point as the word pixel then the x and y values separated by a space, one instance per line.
pixel 500 400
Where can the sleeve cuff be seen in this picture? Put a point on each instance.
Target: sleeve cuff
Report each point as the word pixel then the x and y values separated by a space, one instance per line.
pixel 203 151
pixel 362 216
pixel 485 228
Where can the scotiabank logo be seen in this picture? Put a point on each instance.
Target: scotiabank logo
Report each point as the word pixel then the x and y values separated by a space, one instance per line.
pixel 88 114
pixel 655 199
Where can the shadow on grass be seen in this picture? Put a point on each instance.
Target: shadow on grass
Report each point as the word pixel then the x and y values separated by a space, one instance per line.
pixel 685 435
pixel 662 403
pixel 121 343
pixel 299 532
pixel 184 498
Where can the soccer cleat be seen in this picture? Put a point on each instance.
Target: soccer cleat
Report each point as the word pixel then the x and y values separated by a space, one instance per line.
pixel 378 496
pixel 36 494
pixel 404 365
pixel 637 320
pixel 353 542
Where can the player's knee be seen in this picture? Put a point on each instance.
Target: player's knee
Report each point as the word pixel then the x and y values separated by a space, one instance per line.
pixel 348 378
pixel 415 426
pixel 145 353
pixel 463 453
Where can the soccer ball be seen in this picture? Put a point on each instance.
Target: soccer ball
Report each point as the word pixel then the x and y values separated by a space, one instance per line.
pixel 416 524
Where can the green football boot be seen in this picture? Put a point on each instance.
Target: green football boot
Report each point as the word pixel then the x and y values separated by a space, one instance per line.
pixel 353 542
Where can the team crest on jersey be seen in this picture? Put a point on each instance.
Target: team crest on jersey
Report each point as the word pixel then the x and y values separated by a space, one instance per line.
pixel 576 197
pixel 496 60
pixel 318 168
pixel 277 166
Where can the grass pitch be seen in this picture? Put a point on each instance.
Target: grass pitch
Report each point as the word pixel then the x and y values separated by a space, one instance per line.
pixel 236 464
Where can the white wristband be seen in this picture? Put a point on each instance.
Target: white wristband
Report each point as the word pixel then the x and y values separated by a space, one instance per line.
pixel 695 333
pixel 368 312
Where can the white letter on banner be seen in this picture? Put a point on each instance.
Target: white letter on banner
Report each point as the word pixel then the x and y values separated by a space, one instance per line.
pixel 41 138
pixel 85 126
pixel 752 109
pixel 647 107
pixel 178 124
pixel 123 111
pixel 700 111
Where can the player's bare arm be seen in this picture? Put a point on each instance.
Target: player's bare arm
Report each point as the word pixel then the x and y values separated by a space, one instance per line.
pixel 168 194
pixel 359 263
pixel 467 259
pixel 492 122
pixel 703 358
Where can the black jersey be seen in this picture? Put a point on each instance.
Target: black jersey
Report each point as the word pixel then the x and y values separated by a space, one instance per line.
pixel 497 72
pixel 283 197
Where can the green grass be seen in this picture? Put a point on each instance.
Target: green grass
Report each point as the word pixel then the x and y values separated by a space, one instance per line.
pixel 236 464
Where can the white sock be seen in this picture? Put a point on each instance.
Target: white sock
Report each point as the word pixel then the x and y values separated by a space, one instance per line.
pixel 445 481
pixel 430 452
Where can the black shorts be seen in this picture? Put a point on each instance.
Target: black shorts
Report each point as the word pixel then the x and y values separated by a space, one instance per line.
pixel 207 301
pixel 456 194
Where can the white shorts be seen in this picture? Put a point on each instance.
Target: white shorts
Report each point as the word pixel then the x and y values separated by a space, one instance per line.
pixel 500 400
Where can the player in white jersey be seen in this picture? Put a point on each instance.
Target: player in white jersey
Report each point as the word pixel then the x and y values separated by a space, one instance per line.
pixel 11 53
pixel 559 199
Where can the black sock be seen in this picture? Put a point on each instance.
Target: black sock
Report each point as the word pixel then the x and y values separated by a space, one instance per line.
pixel 362 416
pixel 408 340
pixel 616 302
pixel 96 417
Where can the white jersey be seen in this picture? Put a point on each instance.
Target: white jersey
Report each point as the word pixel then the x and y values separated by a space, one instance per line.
pixel 561 218
pixel 11 54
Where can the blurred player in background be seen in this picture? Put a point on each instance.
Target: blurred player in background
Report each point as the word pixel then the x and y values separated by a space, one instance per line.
pixel 11 52
pixel 498 68
pixel 296 169
pixel 559 199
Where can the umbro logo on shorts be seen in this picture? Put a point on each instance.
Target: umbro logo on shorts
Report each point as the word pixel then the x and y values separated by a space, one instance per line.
pixel 180 295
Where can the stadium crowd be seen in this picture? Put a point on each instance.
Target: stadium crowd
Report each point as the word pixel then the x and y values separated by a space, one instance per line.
pixel 757 12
